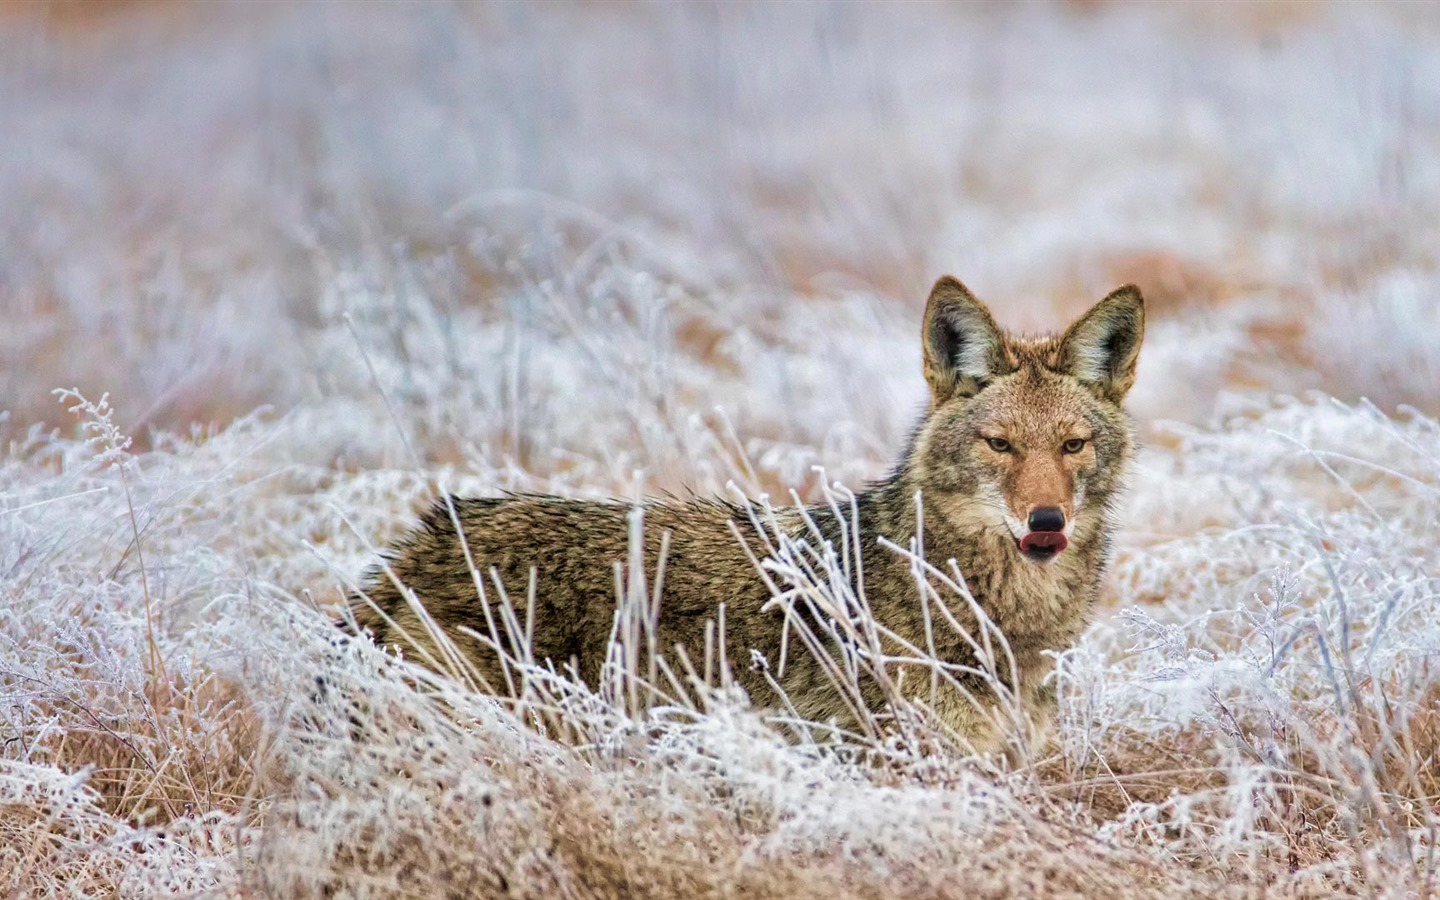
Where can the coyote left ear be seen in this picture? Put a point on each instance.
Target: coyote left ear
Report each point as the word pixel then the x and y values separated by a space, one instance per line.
pixel 960 341
pixel 1101 349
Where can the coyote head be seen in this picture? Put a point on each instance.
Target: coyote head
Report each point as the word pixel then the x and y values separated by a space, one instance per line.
pixel 1026 434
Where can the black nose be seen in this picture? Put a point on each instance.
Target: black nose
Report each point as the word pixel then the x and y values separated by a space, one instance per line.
pixel 1047 518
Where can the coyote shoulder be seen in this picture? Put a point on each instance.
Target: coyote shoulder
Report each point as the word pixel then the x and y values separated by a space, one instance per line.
pixel 1018 460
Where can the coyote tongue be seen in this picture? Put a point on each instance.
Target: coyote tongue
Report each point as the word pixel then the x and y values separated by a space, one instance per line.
pixel 1047 541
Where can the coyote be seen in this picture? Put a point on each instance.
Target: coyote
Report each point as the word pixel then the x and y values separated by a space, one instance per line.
pixel 1017 463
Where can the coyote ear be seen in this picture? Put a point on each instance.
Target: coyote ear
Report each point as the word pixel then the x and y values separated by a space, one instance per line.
pixel 960 341
pixel 1102 347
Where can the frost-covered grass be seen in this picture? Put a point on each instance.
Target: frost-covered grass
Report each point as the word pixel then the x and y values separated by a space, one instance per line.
pixel 328 261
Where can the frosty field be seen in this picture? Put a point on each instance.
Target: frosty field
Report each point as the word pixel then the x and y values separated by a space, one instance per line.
pixel 273 276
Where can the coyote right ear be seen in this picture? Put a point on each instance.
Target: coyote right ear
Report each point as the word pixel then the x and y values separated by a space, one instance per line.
pixel 960 340
pixel 1101 349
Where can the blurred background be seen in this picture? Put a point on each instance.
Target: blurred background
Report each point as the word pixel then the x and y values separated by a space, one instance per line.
pixel 549 232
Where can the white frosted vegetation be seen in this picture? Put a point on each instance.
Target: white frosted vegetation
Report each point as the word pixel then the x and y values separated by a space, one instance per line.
pixel 597 250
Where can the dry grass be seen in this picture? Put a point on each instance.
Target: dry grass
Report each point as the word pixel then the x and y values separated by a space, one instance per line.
pixel 328 262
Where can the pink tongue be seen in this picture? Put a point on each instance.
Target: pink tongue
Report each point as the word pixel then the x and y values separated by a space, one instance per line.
pixel 1051 539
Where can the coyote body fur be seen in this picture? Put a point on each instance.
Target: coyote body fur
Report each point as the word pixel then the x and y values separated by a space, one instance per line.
pixel 1022 450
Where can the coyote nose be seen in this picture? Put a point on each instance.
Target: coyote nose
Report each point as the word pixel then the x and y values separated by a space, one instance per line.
pixel 1047 518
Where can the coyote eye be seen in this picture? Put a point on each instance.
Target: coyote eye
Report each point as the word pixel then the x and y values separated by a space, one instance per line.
pixel 999 445
pixel 1074 445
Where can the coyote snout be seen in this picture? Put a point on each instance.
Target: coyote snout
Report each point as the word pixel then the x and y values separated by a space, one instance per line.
pixel 1038 478
pixel 1046 536
pixel 1016 462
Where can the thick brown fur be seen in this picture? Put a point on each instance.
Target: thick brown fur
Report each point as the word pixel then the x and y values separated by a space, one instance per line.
pixel 1026 396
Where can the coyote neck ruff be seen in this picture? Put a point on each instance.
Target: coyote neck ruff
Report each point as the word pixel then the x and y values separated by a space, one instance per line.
pixel 1017 460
